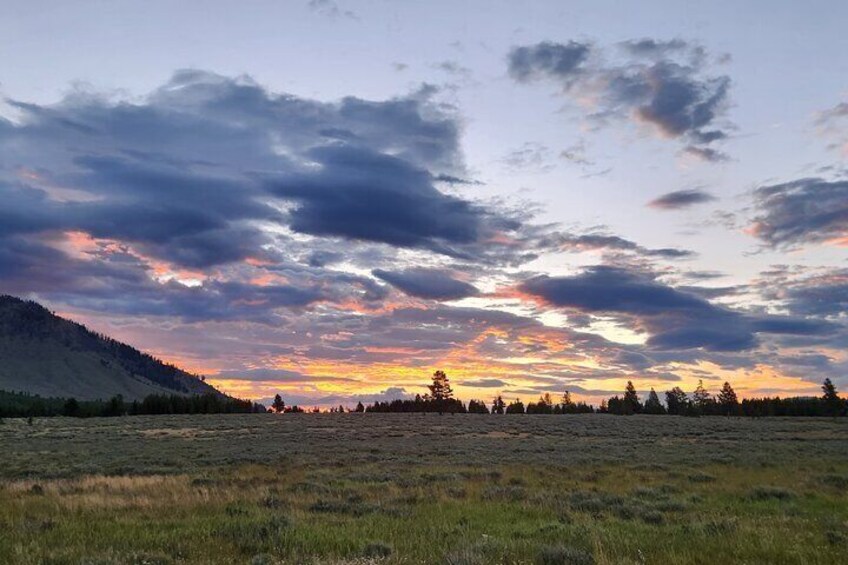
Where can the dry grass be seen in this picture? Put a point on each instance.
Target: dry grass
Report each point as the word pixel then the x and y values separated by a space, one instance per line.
pixel 423 489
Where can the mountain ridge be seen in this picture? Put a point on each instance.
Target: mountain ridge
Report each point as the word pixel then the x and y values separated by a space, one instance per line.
pixel 45 354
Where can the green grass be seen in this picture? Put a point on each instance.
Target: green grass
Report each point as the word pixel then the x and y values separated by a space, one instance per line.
pixel 423 489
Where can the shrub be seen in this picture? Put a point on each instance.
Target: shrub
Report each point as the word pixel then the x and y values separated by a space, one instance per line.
pixel 769 493
pixel 466 556
pixel 272 502
pixel 834 537
pixel 652 517
pixel 377 550
pixel 701 478
pixel 839 482
pixel 504 493
pixel 351 508
pixel 562 555
pixel 250 536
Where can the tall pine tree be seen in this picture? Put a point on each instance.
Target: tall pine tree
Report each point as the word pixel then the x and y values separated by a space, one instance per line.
pixel 727 400
pixel 653 404
pixel 832 402
pixel 631 403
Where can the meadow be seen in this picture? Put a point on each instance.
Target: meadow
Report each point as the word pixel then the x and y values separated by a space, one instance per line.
pixel 423 488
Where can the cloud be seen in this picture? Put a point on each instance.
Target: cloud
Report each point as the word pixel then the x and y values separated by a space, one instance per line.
pixel 356 194
pixel 801 212
pixel 821 294
pixel 243 152
pixel 548 59
pixel 432 284
pixel 306 400
pixel 531 156
pixel 674 320
pixel 663 84
pixel 831 124
pixel 213 179
pixel 331 9
pixel 607 242
pixel 679 199
pixel 278 376
pixel 485 383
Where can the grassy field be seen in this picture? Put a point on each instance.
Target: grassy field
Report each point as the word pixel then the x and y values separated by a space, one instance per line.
pixel 458 489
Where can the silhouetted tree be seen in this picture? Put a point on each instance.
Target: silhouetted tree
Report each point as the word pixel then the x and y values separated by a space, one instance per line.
pixel 441 393
pixel 440 389
pixel 515 407
pixel 727 400
pixel 630 402
pixel 115 406
pixel 676 401
pixel 701 397
pixel 653 404
pixel 477 407
pixel 359 407
pixel 498 405
pixel 833 405
pixel 545 405
pixel 278 405
pixel 71 408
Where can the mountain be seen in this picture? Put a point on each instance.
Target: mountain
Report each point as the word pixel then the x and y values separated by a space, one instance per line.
pixel 44 354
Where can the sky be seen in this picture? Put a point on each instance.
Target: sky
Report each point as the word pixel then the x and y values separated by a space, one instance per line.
pixel 332 199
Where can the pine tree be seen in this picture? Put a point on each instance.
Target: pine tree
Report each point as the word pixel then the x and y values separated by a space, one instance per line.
pixel 676 401
pixel 360 407
pixel 727 400
pixel 477 407
pixel 498 405
pixel 71 408
pixel 440 389
pixel 631 403
pixel 515 407
pixel 832 402
pixel 701 397
pixel 653 404
pixel 278 405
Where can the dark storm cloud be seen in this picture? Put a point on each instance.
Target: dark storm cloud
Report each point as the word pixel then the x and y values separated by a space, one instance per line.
pixel 665 84
pixel 186 172
pixel 679 199
pixel 672 318
pixel 207 172
pixel 361 195
pixel 431 284
pixel 804 211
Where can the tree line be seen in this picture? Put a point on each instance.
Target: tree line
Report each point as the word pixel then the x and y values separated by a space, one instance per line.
pixel 726 403
pixel 23 405
pixel 440 399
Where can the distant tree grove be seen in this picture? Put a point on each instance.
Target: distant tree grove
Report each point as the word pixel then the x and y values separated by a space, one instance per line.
pixel 677 402
pixel 440 399
pixel 22 405
pixel 726 403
